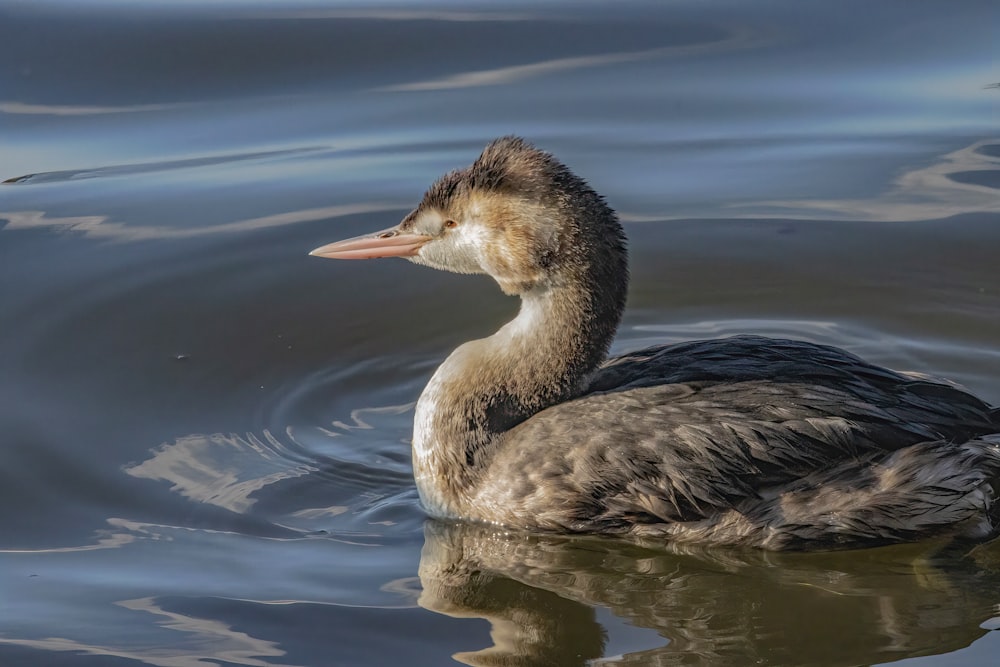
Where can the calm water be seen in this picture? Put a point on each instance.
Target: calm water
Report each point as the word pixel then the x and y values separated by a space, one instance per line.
pixel 204 433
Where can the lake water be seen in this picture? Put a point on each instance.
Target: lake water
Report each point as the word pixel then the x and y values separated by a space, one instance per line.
pixel 204 432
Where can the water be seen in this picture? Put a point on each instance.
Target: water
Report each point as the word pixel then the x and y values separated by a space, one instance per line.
pixel 204 432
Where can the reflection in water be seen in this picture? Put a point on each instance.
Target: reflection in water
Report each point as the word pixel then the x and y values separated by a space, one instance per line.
pixel 392 14
pixel 206 641
pixel 15 107
pixel 216 468
pixel 152 167
pixel 302 488
pixel 940 190
pixel 957 183
pixel 100 227
pixel 120 533
pixel 741 39
pixel 709 606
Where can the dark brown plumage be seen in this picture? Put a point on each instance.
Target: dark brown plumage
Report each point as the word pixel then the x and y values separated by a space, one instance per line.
pixel 745 440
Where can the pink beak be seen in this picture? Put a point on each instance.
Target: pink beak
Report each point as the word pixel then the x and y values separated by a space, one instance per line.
pixel 388 243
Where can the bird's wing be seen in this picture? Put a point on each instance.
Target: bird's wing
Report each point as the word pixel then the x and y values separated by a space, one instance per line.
pixel 944 409
pixel 735 429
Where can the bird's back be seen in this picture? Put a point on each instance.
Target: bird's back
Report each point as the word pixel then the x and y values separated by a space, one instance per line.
pixel 757 441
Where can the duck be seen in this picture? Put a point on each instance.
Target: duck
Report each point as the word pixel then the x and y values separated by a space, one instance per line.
pixel 751 441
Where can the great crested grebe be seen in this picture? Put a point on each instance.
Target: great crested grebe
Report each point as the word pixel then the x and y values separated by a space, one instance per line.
pixel 779 444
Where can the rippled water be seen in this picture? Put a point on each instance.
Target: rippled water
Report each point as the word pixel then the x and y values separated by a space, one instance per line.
pixel 204 452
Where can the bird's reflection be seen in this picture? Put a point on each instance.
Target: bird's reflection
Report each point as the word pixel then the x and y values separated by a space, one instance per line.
pixel 540 595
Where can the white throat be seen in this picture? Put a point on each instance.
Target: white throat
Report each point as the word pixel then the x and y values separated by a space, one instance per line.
pixel 439 395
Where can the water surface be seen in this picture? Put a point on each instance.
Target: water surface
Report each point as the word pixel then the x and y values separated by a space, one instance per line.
pixel 204 433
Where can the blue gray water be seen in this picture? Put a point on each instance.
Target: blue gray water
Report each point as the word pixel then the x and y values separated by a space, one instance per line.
pixel 204 433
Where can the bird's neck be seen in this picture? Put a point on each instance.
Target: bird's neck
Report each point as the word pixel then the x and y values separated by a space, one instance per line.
pixel 486 387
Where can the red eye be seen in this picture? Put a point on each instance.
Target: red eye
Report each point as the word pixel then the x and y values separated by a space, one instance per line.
pixel 450 224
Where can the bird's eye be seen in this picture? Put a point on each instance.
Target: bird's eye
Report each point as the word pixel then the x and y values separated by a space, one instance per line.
pixel 450 224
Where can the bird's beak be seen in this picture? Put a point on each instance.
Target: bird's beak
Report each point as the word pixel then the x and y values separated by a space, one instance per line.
pixel 391 242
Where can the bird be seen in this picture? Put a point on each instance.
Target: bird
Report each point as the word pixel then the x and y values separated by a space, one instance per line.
pixel 742 441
